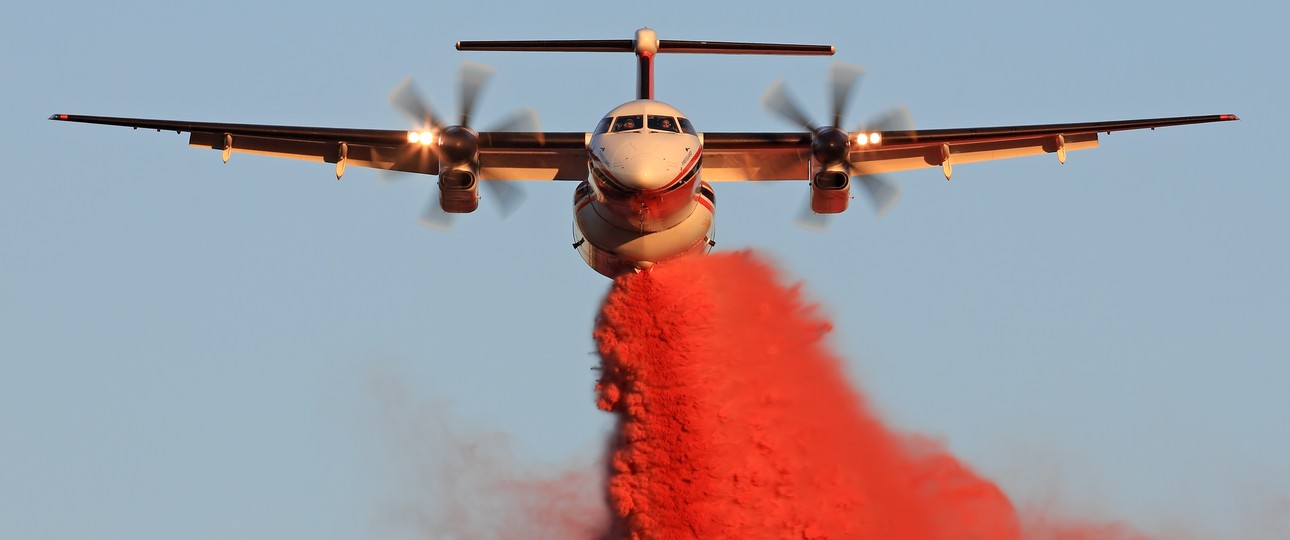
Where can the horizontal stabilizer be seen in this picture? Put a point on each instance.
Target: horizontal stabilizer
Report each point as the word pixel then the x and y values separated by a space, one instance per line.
pixel 550 45
pixel 645 47
pixel 664 46
pixel 730 47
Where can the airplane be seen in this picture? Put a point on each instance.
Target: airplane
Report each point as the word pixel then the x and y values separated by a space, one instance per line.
pixel 644 194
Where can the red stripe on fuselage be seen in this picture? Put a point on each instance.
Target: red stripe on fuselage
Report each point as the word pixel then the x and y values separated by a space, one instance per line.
pixel 686 169
pixel 706 203
pixel 601 172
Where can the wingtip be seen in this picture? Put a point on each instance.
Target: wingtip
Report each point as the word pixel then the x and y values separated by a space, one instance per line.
pixel 1228 117
pixel 58 117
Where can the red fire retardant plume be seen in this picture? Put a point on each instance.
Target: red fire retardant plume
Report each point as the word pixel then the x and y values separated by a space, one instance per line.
pixel 735 421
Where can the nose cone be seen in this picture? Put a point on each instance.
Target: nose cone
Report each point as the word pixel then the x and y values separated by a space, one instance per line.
pixel 645 171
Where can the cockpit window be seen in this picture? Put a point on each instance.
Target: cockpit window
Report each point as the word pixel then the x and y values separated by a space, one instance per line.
pixel 603 126
pixel 628 123
pixel 687 127
pixel 662 123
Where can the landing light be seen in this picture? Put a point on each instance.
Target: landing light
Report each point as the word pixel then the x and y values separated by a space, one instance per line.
pixel 422 137
pixel 868 138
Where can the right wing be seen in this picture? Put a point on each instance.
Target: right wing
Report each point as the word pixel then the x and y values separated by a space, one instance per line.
pixel 503 155
pixel 787 156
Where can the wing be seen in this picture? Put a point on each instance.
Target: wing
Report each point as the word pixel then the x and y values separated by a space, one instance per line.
pixel 503 155
pixel 787 156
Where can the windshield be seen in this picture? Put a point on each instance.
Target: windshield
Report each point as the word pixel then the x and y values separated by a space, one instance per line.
pixel 628 123
pixel 603 126
pixel 687 127
pixel 662 123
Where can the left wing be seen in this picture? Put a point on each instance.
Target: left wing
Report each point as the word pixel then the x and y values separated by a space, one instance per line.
pixel 787 156
pixel 503 155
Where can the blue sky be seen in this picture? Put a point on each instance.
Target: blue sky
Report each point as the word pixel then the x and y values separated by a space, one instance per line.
pixel 188 347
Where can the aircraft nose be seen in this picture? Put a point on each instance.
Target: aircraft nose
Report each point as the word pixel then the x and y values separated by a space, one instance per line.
pixel 645 171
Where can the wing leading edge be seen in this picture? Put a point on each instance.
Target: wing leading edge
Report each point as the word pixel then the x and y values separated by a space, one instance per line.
pixel 503 155
pixel 786 156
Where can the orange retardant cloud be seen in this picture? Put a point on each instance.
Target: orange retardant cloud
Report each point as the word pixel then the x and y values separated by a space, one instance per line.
pixel 736 421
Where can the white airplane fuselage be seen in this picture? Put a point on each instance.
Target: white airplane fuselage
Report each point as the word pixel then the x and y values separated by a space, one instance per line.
pixel 644 201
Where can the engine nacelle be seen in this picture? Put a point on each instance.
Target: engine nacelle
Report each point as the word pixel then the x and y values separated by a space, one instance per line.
pixel 458 190
pixel 830 191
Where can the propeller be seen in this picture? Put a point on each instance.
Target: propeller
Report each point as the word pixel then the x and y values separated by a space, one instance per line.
pixel 459 143
pixel 830 145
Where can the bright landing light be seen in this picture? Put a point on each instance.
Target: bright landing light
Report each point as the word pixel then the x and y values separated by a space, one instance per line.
pixel 423 137
pixel 868 138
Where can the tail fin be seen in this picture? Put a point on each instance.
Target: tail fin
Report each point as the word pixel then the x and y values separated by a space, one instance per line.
pixel 646 45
